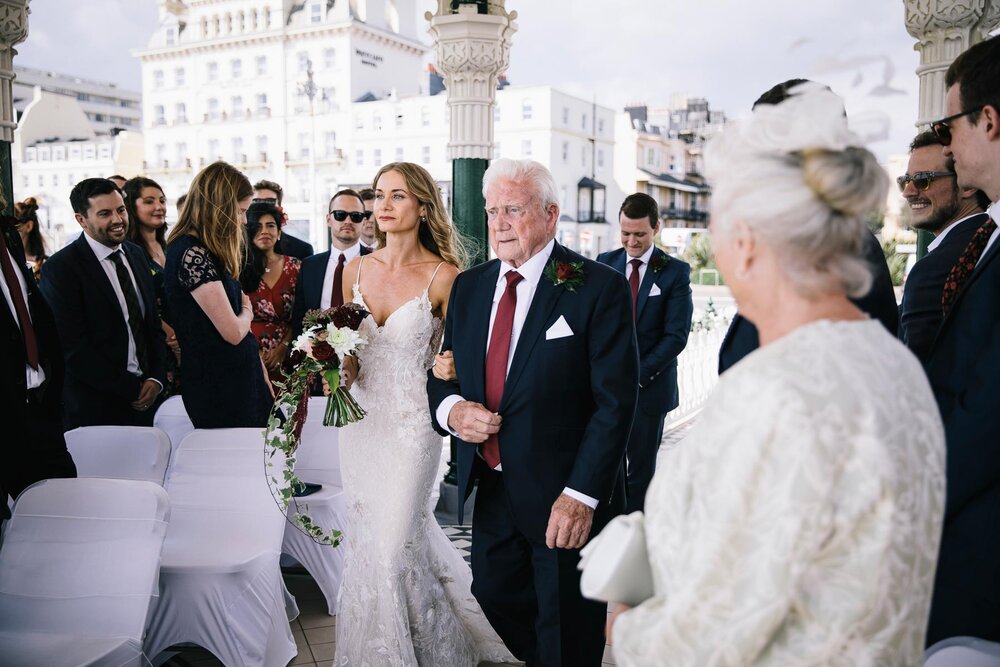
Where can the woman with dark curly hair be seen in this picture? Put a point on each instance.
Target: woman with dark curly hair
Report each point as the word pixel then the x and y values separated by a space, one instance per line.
pixel 26 214
pixel 270 279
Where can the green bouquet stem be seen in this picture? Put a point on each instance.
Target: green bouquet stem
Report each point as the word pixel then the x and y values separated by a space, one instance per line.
pixel 341 408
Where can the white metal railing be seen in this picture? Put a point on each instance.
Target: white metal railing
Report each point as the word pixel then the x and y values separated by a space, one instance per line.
pixel 697 368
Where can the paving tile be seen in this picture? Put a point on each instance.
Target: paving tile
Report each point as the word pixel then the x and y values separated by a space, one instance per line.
pixel 320 635
pixel 312 620
pixel 304 653
pixel 323 652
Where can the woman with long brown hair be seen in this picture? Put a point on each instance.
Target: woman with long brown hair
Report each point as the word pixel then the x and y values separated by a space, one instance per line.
pixel 26 214
pixel 224 381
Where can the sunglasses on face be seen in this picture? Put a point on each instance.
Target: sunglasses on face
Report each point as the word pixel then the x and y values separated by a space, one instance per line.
pixel 941 128
pixel 922 179
pixel 357 217
pixel 268 200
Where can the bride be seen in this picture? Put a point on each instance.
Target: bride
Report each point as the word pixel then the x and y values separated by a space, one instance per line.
pixel 405 598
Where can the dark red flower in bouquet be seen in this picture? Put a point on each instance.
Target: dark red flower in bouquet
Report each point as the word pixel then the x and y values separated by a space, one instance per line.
pixel 322 351
pixel 348 315
pixel 296 357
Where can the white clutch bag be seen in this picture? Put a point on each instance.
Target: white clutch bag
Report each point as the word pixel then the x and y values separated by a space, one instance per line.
pixel 615 564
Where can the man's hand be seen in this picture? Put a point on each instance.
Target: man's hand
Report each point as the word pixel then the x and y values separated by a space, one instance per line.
pixel 349 370
pixel 473 421
pixel 444 367
pixel 147 394
pixel 274 357
pixel 569 523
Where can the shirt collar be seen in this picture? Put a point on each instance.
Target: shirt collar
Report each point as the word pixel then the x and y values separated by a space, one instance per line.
pixel 349 254
pixel 994 212
pixel 939 239
pixel 102 251
pixel 644 257
pixel 531 271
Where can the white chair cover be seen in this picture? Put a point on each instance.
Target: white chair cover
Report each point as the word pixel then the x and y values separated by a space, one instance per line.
pixel 78 571
pixel 963 652
pixel 120 452
pixel 172 419
pixel 317 460
pixel 220 583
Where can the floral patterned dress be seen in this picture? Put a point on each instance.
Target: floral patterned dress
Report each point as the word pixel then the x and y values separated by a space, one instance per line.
pixel 272 309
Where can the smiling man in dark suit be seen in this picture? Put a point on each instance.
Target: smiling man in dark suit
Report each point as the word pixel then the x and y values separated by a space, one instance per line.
pixel 952 214
pixel 101 291
pixel 544 348
pixel 661 301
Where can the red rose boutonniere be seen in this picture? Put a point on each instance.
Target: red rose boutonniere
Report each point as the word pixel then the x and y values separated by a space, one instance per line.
pixel 658 263
pixel 567 274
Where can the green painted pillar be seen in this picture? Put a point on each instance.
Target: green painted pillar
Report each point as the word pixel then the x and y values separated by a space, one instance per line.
pixel 923 240
pixel 6 177
pixel 468 207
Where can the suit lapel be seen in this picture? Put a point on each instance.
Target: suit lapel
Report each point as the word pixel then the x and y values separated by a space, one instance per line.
pixel 479 311
pixel 90 264
pixel 647 284
pixel 984 261
pixel 618 263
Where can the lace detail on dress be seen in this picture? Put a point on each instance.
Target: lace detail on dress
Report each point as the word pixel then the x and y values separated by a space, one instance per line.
pixel 197 268
pixel 406 595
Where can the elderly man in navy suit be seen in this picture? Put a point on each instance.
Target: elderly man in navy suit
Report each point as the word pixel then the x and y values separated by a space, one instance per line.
pixel 101 291
pixel 661 303
pixel 544 348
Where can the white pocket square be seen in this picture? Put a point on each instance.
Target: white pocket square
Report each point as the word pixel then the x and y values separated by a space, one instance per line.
pixel 559 330
pixel 654 290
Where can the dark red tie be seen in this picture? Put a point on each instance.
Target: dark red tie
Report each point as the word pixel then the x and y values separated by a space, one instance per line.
pixel 633 282
pixel 27 330
pixel 966 264
pixel 496 359
pixel 337 295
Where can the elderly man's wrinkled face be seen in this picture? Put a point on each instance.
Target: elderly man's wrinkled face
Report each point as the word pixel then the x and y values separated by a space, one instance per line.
pixel 519 224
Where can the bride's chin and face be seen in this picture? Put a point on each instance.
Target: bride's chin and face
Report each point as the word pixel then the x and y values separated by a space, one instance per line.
pixel 396 210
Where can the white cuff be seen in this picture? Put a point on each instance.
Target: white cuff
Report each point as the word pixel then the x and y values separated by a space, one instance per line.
pixel 444 410
pixel 585 499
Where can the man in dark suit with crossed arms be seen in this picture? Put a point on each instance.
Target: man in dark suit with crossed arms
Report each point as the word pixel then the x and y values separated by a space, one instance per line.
pixel 101 291
pixel 545 353
pixel 661 301
pixel 964 364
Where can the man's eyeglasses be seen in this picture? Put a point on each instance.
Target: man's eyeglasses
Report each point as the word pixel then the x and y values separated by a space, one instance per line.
pixel 922 179
pixel 941 128
pixel 267 200
pixel 357 217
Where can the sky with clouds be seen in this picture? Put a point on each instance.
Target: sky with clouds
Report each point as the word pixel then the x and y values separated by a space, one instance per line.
pixel 621 51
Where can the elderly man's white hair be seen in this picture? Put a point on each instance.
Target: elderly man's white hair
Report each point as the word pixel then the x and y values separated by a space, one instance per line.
pixel 532 174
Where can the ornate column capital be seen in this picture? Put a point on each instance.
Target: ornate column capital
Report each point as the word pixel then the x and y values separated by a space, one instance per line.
pixel 943 29
pixel 13 30
pixel 472 49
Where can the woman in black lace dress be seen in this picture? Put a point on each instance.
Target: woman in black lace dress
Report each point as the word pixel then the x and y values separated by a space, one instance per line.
pixel 225 384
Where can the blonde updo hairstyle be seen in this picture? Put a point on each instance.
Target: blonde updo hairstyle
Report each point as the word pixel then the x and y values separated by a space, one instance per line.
pixel 796 176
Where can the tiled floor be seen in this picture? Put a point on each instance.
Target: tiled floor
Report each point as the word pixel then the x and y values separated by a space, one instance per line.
pixel 315 631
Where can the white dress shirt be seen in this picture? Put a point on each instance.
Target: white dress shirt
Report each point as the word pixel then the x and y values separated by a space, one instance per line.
pixel 644 258
pixel 939 239
pixel 34 377
pixel 331 267
pixel 531 273
pixel 103 253
pixel 994 211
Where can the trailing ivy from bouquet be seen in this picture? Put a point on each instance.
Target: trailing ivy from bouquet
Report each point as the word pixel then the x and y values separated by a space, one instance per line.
pixel 328 336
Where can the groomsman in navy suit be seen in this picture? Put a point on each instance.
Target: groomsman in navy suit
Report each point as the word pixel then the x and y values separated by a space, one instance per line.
pixel 661 302
pixel 544 348
pixel 964 363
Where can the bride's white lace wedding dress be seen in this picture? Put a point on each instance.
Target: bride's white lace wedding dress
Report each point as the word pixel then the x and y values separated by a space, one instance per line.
pixel 405 597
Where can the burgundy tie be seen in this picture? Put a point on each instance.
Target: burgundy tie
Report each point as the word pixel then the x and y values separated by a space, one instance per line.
pixel 337 295
pixel 966 264
pixel 633 282
pixel 27 330
pixel 496 360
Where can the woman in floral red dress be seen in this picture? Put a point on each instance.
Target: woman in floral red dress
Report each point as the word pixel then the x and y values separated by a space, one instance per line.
pixel 269 279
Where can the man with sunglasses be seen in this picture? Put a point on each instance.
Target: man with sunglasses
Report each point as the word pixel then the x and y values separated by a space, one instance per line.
pixel 321 280
pixel 964 364
pixel 368 226
pixel 952 214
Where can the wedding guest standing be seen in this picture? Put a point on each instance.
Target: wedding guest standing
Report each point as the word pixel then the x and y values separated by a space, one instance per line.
pixel 101 292
pixel 798 523
pixel 224 381
pixel 269 192
pixel 147 213
pixel 270 279
pixel 26 213
pixel 368 226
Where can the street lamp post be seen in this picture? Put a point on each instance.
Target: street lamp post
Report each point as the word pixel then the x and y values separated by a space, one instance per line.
pixel 309 89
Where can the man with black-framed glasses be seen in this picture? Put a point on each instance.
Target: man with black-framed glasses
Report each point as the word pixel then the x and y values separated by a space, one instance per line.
pixel 952 214
pixel 964 364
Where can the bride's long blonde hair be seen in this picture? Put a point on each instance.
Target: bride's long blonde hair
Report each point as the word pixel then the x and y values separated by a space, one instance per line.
pixel 436 233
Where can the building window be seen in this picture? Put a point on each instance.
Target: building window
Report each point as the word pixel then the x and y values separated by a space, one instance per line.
pixel 179 77
pixel 59 153
pixel 399 120
pixel 262 108
pixel 425 155
pixel 158 78
pixel 171 36
pixel 650 157
pixel 583 123
pixel 526 110
pixel 181 151
pixel 237 106
pixel 212 71
pixel 316 12
pixel 526 148
pixel 304 146
pixel 377 122
pixel 159 115
pixel 180 113
pixel 41 180
pixel 496 150
pixel 425 117
pixel 399 154
pixel 359 158
pixel 600 157
pixel 238 155
pixel 496 113
pixel 330 142
pixel 236 67
pixel 303 58
pixel 161 154
pixel 330 58
pixel 261 65
pixel 74 152
pixel 213 150
pixel 565 116
pixel 565 151
pixel 213 109
pixel 359 122
pixel 262 147
pixel 600 126
pixel 377 157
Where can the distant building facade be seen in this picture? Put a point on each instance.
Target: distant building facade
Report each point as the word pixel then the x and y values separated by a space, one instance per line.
pixel 106 106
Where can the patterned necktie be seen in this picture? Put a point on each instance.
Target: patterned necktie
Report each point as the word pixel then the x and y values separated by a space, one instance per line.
pixel 135 318
pixel 966 264
pixel 20 306
pixel 496 360
pixel 337 295
pixel 633 282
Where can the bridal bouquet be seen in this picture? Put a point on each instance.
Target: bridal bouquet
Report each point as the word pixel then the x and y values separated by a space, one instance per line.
pixel 328 336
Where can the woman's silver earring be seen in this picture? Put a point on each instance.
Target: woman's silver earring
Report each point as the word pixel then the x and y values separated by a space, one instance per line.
pixel 423 220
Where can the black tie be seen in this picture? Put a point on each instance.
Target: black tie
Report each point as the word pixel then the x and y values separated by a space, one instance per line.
pixel 135 319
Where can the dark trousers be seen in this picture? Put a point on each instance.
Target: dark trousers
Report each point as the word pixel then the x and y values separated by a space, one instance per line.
pixel 530 593
pixel 36 449
pixel 643 445
pixel 957 613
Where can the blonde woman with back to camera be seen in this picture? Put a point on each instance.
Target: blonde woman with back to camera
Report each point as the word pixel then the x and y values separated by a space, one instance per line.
pixel 799 522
